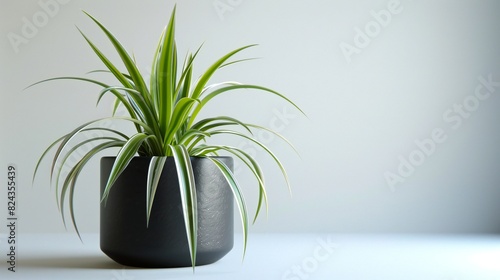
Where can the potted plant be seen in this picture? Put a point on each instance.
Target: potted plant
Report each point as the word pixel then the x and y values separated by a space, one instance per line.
pixel 167 195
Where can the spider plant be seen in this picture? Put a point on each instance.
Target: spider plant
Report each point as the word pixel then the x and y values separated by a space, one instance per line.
pixel 164 115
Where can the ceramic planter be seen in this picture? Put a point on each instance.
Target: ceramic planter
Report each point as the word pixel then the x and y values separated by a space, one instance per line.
pixel 124 236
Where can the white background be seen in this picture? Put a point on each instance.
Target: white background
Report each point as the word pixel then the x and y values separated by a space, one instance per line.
pixel 362 115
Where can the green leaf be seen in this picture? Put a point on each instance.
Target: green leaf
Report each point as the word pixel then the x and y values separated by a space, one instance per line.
pixel 183 90
pixel 127 61
pixel 118 95
pixel 266 149
pixel 164 75
pixel 116 142
pixel 276 134
pixel 144 102
pixel 187 189
pixel 212 69
pixel 180 115
pixel 154 175
pixel 44 154
pixel 236 61
pixel 192 134
pixel 210 123
pixel 233 87
pixel 71 178
pixel 125 155
pixel 206 125
pixel 184 84
pixel 70 136
pixel 112 68
pixel 106 129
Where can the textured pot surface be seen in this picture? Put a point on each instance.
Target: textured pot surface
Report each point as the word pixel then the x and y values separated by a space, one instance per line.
pixel 125 236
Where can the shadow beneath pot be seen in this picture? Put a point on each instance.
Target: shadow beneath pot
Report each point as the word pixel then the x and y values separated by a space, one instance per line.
pixel 69 262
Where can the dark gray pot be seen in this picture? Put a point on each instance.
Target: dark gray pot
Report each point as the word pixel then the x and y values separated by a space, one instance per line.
pixel 124 236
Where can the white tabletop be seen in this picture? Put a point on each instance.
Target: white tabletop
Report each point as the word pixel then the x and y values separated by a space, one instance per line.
pixel 276 256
